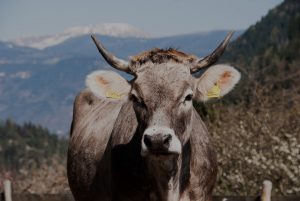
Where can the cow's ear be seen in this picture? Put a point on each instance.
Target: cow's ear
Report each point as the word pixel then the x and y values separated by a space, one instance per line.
pixel 108 85
pixel 216 82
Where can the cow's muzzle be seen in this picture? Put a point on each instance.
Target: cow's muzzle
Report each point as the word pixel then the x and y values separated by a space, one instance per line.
pixel 160 141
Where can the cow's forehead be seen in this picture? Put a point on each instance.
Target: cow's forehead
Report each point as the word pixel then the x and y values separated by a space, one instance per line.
pixel 158 56
pixel 168 78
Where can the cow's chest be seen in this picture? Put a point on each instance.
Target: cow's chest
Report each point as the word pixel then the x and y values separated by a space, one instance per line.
pixel 133 178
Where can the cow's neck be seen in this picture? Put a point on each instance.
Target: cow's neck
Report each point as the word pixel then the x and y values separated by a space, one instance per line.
pixel 164 177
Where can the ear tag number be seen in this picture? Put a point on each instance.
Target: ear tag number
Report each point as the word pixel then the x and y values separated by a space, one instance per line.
pixel 112 94
pixel 214 92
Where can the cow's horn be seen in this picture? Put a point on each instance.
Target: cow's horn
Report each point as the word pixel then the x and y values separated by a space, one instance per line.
pixel 212 57
pixel 115 62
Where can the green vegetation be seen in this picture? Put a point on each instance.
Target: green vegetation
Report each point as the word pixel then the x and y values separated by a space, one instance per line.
pixel 27 146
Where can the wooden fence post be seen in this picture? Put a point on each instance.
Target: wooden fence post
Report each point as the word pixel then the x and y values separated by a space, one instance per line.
pixel 7 190
pixel 266 191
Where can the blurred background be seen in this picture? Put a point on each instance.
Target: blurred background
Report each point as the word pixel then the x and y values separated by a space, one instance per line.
pixel 46 53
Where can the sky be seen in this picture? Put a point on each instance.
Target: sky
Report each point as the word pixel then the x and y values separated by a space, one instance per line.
pixel 155 17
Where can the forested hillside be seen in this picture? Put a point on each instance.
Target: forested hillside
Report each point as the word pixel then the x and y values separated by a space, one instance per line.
pixel 269 51
pixel 275 37
pixel 32 157
pixel 256 128
pixel 27 145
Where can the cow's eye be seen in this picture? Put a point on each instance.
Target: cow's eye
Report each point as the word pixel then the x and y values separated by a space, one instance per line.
pixel 188 97
pixel 137 100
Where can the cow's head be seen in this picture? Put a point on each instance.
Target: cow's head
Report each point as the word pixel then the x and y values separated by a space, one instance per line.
pixel 162 91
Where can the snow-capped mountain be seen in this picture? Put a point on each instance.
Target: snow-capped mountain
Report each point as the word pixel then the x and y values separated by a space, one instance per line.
pixel 108 29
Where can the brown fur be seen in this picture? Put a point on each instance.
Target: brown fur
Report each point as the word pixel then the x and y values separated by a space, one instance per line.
pixel 158 56
pixel 91 175
pixel 104 160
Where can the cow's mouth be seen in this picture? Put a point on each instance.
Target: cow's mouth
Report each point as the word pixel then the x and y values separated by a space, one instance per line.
pixel 160 154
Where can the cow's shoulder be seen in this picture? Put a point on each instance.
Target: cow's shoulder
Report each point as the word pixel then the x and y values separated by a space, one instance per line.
pixel 88 106
pixel 84 102
pixel 203 163
pixel 93 121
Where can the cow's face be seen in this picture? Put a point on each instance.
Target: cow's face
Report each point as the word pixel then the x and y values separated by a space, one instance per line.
pixel 162 96
pixel 162 93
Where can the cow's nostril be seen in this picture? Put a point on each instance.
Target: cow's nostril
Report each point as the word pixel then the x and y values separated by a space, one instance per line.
pixel 167 139
pixel 147 141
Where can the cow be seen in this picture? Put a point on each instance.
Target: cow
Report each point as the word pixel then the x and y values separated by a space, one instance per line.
pixel 142 140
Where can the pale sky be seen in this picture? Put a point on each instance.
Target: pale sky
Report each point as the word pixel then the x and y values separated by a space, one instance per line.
pixel 155 17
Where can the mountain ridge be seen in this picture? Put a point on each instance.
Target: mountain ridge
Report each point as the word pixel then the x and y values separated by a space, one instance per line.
pixel 108 29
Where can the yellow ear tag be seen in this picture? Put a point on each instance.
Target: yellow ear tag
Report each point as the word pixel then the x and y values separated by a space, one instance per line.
pixel 111 94
pixel 214 92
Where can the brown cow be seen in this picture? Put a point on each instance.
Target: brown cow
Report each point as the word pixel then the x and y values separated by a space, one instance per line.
pixel 142 140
